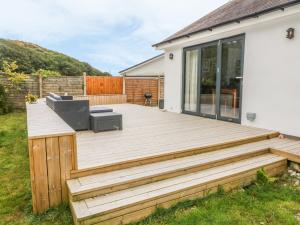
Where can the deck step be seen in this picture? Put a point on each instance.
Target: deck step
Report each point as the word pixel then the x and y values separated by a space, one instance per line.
pixel 135 203
pixel 94 185
pixel 139 157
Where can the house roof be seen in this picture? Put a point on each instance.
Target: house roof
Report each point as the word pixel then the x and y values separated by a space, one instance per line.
pixel 233 11
pixel 142 63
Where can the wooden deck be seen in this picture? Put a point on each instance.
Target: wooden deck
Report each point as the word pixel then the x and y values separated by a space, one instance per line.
pixel 149 132
pixel 158 159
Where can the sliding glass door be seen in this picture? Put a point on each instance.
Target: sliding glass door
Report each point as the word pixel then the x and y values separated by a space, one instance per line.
pixel 191 80
pixel 213 79
pixel 231 79
pixel 208 78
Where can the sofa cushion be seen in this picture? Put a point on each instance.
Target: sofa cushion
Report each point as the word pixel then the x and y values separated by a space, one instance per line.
pixel 99 109
pixel 55 96
pixel 66 97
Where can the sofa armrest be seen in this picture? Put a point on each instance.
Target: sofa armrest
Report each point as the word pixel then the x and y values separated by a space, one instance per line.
pixel 50 102
pixel 74 112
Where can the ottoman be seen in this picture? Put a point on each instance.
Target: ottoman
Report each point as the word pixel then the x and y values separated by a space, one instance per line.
pixel 105 121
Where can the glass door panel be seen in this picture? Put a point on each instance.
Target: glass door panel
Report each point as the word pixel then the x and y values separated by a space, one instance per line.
pixel 208 80
pixel 190 82
pixel 231 78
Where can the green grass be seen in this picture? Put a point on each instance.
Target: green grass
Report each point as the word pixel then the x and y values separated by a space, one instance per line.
pixel 258 204
pixel 15 193
pixel 273 203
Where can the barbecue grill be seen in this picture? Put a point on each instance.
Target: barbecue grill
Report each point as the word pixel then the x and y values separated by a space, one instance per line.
pixel 148 97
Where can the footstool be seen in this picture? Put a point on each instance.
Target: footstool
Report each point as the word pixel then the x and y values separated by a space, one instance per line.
pixel 106 121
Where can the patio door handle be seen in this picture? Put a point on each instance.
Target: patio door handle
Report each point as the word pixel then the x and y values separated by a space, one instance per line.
pixel 239 78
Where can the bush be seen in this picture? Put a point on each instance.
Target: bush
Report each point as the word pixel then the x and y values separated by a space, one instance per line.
pixel 5 107
pixel 47 73
pixel 262 177
pixel 30 98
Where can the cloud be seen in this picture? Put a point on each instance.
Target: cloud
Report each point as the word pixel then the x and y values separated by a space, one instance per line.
pixel 119 32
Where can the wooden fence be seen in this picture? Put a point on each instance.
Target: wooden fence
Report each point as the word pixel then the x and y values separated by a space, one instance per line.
pixel 96 85
pixel 103 99
pixel 136 87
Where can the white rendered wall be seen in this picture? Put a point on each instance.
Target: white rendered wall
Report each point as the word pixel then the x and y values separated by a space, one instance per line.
pixel 271 85
pixel 272 77
pixel 173 80
pixel 153 68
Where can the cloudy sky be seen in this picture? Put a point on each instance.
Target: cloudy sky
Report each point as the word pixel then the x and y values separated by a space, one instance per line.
pixel 109 34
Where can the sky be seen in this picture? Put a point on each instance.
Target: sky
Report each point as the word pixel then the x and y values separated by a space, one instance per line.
pixel 111 35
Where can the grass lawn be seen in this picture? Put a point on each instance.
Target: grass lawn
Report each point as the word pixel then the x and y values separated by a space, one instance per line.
pixel 275 203
pixel 15 193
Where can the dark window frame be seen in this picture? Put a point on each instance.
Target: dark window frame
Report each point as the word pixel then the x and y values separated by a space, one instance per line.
pixel 199 47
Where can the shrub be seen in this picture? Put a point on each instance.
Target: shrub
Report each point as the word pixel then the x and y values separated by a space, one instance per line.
pixel 262 177
pixel 30 98
pixel 15 78
pixel 47 73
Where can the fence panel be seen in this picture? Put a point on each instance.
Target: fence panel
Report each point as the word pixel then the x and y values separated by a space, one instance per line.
pixel 103 99
pixel 104 85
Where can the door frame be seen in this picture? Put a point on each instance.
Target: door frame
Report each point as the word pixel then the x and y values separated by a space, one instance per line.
pixel 199 47
pixel 242 39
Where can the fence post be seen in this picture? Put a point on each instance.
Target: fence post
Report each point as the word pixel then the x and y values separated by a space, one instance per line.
pixel 41 85
pixel 84 83
pixel 158 90
pixel 124 87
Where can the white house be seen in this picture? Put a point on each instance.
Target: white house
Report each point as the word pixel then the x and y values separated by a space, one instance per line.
pixel 150 68
pixel 145 77
pixel 240 63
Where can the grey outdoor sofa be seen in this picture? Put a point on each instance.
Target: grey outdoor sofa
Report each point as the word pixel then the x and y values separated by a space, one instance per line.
pixel 74 112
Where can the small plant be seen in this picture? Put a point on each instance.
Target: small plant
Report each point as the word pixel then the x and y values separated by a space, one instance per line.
pixel 221 190
pixel 262 177
pixel 30 98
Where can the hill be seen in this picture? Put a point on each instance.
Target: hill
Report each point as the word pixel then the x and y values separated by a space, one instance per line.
pixel 31 57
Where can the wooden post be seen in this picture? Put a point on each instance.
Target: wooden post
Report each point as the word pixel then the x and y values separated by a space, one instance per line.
pixel 124 87
pixel 158 90
pixel 84 83
pixel 41 85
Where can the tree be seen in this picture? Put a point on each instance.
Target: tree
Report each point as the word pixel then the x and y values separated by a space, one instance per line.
pixel 15 78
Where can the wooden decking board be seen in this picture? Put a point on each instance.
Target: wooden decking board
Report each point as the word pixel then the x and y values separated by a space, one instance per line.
pixel 289 149
pixel 197 192
pixel 111 202
pixel 145 159
pixel 44 122
pixel 169 144
pixel 107 202
pixel 176 126
pixel 142 213
pixel 168 148
pixel 149 132
pixel 209 133
pixel 85 184
pixel 171 182
pixel 121 185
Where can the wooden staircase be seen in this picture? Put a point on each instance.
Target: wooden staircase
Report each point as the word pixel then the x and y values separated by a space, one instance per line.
pixel 130 194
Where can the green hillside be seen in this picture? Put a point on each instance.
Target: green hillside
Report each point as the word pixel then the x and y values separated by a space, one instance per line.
pixel 31 57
